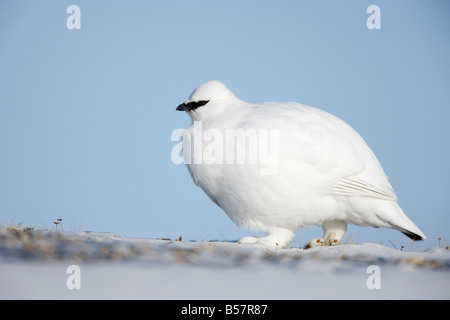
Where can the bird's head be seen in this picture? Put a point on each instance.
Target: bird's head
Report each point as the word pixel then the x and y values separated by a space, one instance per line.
pixel 208 99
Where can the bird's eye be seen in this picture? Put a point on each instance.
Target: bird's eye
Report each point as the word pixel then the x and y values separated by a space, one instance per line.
pixel 195 104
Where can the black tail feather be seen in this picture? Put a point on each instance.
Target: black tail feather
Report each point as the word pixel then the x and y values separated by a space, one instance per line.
pixel 411 235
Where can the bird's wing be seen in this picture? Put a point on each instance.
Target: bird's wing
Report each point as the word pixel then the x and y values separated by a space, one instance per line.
pixel 368 177
pixel 354 186
pixel 330 153
pixel 340 153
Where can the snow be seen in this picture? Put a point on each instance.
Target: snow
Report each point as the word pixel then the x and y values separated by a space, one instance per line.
pixel 34 265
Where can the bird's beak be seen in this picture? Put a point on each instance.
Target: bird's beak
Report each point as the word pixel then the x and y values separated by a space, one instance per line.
pixel 182 107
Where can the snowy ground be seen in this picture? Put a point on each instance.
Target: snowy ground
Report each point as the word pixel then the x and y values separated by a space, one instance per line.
pixel 36 265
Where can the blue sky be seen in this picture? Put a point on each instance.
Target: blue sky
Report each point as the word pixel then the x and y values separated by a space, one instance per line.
pixel 86 115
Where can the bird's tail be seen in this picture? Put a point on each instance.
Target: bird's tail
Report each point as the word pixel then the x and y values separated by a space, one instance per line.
pixel 412 235
pixel 403 224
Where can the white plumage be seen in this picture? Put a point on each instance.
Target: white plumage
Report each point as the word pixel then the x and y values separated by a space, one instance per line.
pixel 311 168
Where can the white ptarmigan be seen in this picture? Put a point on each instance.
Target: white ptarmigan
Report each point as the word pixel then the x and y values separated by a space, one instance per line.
pixel 281 166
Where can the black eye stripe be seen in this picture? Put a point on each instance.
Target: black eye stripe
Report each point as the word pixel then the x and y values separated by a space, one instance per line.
pixel 195 104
